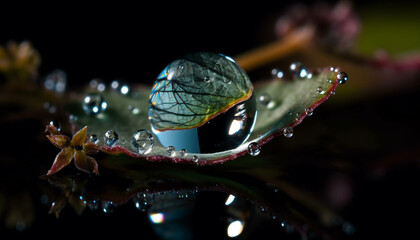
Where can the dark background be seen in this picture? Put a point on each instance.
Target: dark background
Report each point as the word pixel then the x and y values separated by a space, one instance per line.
pixel 118 40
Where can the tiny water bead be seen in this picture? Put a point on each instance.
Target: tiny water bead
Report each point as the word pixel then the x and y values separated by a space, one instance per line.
pixel 254 149
pixel 183 152
pixel 111 137
pixel 142 141
pixel 309 112
pixel 205 106
pixel 342 77
pixel 56 81
pixel 56 124
pixel 93 104
pixel 195 159
pixel 264 99
pixel 288 132
pixel 171 150
pixel 94 138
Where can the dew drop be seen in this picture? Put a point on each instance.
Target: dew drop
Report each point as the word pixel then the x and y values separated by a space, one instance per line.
pixel 195 159
pixel 94 138
pixel 111 137
pixel 56 81
pixel 329 80
pixel 93 104
pixel 142 141
pixel 275 72
pixel 309 112
pixel 171 150
pixel 342 77
pixel 319 90
pixel 264 99
pixel 183 152
pixel 125 89
pixel 288 132
pixel 254 149
pixel 56 124
pixel 115 84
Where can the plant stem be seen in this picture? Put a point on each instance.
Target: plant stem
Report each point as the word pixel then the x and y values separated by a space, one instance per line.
pixel 255 58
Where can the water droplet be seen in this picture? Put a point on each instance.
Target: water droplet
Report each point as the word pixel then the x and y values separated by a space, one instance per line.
pixel 56 81
pixel 309 76
pixel 275 72
pixel 101 87
pixel 333 93
pixel 187 119
pixel 195 159
pixel 264 99
pixel 297 116
pixel 94 138
pixel 142 141
pixel 303 73
pixel 73 118
pixel 108 207
pixel 309 112
pixel 254 149
pixel 329 80
pixel 183 152
pixel 342 77
pixel 93 104
pixel 115 84
pixel 56 124
pixel 296 67
pixel 319 90
pixel 288 132
pixel 171 150
pixel 111 137
pixel 125 89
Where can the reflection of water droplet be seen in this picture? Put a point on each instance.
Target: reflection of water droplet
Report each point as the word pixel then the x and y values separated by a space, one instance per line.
pixel 56 124
pixel 143 201
pixel 111 137
pixel 183 152
pixel 94 104
pixel 309 112
pixel 195 159
pixel 171 150
pixel 94 138
pixel 254 149
pixel 108 207
pixel 288 132
pixel 142 141
pixel 342 77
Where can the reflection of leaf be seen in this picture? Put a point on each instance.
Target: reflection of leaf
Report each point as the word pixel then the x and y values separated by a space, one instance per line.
pixel 289 105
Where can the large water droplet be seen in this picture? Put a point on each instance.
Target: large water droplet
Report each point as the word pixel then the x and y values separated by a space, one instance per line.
pixel 195 159
pixel 93 104
pixel 342 77
pixel 142 141
pixel 288 132
pixel 111 137
pixel 254 149
pixel 199 117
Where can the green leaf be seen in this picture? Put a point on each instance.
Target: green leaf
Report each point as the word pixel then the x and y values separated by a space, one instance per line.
pixel 291 101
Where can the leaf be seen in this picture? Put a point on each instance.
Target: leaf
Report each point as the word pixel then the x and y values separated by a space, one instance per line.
pixel 79 138
pixel 60 141
pixel 291 102
pixel 85 163
pixel 62 159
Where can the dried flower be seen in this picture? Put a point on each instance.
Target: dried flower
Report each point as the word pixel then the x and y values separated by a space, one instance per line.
pixel 76 148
